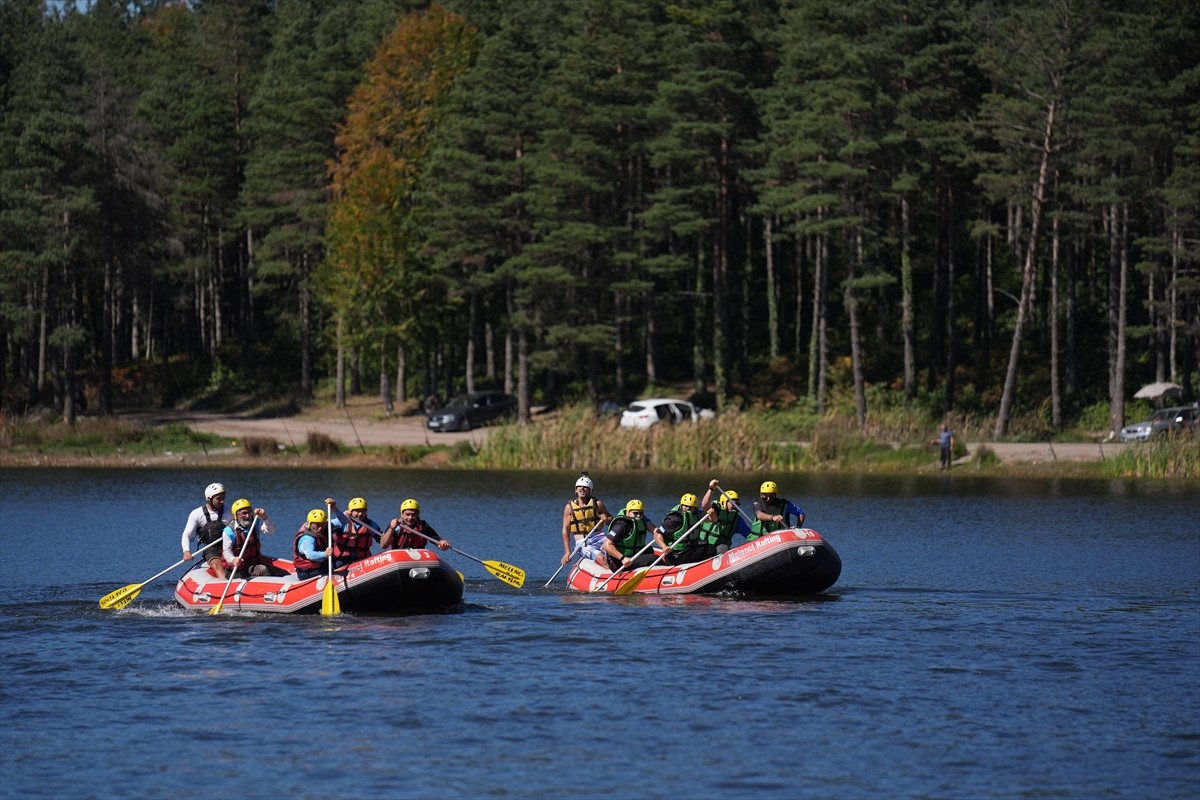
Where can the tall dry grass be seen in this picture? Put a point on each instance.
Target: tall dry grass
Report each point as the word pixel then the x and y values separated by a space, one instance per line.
pixel 578 439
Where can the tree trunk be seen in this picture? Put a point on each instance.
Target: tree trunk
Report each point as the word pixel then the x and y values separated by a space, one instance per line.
pixel 821 323
pixel 524 393
pixel 851 301
pixel 772 289
pixel 306 388
pixel 401 372
pixel 339 389
pixel 907 316
pixel 951 309
pixel 1116 414
pixel 1055 393
pixel 1027 274
pixel 472 321
pixel 106 345
pixel 385 385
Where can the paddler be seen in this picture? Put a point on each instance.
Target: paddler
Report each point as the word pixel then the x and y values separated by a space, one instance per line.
pixel 241 548
pixel 772 512
pixel 353 531
pixel 205 526
pixel 625 539
pixel 580 518
pixel 404 532
pixel 312 549
pixel 719 533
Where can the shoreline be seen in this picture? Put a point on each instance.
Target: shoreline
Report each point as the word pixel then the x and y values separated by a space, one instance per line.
pixel 368 438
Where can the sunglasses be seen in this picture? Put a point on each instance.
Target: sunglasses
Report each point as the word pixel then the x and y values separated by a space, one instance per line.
pixel 635 513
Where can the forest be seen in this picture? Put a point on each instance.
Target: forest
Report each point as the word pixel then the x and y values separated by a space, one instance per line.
pixel 974 206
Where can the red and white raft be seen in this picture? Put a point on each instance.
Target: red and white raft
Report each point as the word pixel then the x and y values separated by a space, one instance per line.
pixel 789 563
pixel 392 582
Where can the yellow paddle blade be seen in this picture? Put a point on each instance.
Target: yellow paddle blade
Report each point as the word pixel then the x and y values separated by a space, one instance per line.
pixel 513 576
pixel 630 585
pixel 121 597
pixel 217 608
pixel 330 605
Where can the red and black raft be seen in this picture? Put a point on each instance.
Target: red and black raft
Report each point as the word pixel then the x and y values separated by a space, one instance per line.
pixel 392 582
pixel 795 562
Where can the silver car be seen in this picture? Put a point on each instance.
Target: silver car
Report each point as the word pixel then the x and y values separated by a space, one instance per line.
pixel 1161 423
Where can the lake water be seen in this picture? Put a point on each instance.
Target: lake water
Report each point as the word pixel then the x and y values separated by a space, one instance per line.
pixel 987 639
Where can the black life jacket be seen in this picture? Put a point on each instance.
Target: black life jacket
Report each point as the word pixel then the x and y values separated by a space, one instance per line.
pixel 212 530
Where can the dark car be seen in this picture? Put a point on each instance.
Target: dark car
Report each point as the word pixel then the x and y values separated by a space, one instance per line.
pixel 1176 420
pixel 471 410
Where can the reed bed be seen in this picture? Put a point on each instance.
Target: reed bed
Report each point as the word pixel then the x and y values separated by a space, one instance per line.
pixel 578 439
pixel 1171 457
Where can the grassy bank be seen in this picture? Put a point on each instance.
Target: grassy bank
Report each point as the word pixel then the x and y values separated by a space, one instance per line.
pixel 576 438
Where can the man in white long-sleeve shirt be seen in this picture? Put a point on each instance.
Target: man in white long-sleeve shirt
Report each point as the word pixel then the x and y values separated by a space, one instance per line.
pixel 205 526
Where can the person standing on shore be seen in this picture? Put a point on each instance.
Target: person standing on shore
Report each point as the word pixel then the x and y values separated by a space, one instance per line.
pixel 945 443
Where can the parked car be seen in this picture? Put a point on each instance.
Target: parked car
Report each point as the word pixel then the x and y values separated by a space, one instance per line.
pixel 645 413
pixel 1161 423
pixel 471 410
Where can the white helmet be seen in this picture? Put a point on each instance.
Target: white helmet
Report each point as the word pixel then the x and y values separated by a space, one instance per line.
pixel 213 489
pixel 585 481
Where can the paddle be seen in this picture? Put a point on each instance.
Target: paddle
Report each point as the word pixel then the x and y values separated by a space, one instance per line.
pixel 124 596
pixel 513 576
pixel 330 605
pixel 217 608
pixel 578 547
pixel 630 585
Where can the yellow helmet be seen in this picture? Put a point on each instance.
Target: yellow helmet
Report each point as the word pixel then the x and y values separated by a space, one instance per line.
pixel 317 515
pixel 410 503
pixel 768 487
pixel 689 499
pixel 358 503
pixel 730 495
pixel 239 504
pixel 635 505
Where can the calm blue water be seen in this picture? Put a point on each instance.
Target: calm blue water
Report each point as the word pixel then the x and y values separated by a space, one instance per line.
pixel 987 639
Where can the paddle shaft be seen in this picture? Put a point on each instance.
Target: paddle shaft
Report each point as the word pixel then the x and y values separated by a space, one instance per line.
pixel 578 546
pixel 217 608
pixel 132 589
pixel 180 561
pixel 513 576
pixel 330 606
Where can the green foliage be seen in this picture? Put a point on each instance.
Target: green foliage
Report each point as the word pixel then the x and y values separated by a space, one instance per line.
pixel 586 197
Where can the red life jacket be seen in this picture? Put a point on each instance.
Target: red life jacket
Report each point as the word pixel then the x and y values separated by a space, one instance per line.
pixel 406 541
pixel 253 554
pixel 298 560
pixel 353 541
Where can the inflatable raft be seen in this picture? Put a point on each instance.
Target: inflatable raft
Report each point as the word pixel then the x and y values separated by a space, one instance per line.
pixel 789 563
pixel 392 582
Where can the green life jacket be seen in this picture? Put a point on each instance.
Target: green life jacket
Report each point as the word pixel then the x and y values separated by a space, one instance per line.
pixel 721 531
pixel 759 527
pixel 635 539
pixel 690 518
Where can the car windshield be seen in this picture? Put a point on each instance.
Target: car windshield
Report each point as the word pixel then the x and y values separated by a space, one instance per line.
pixel 458 401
